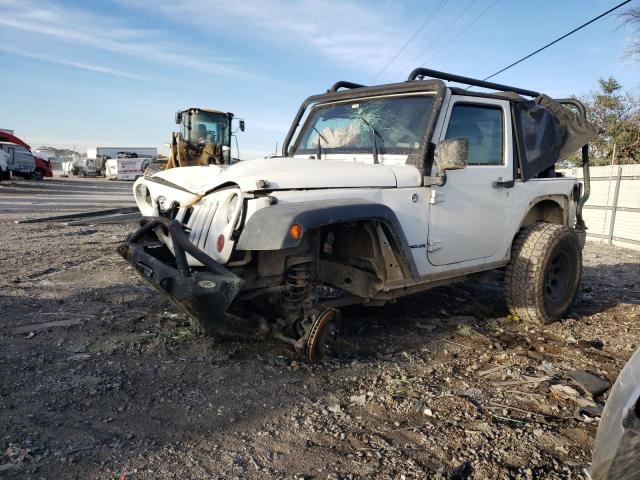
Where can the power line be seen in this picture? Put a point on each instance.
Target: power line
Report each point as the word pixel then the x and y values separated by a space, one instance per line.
pixel 457 36
pixel 439 36
pixel 558 39
pixel 430 17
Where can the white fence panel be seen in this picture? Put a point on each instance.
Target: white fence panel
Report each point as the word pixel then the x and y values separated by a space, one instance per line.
pixel 612 213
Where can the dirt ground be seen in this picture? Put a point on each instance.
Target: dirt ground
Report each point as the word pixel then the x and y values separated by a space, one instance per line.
pixel 101 378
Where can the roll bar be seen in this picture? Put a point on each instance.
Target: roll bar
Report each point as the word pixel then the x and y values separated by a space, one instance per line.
pixel 427 72
pixel 344 84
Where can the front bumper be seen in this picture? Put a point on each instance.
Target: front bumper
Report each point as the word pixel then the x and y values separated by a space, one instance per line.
pixel 204 294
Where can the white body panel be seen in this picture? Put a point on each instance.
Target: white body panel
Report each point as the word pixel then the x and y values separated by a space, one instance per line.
pixel 469 216
pixel 293 173
pixel 414 218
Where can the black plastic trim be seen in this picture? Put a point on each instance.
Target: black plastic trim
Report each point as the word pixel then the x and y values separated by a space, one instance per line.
pixel 268 228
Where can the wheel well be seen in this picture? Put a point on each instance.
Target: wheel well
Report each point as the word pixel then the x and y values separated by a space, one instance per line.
pixel 370 245
pixel 549 211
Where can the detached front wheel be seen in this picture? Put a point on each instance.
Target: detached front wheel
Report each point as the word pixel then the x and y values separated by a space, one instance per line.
pixel 542 278
pixel 322 335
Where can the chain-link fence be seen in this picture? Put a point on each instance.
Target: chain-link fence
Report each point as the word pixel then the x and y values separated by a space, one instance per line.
pixel 612 212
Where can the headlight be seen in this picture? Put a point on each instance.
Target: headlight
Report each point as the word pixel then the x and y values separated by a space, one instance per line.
pixel 232 205
pixel 143 194
pixel 143 198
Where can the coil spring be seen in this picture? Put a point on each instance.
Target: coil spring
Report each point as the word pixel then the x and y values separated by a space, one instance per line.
pixel 297 283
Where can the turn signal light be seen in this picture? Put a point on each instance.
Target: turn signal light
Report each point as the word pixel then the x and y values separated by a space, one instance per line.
pixel 220 243
pixel 295 231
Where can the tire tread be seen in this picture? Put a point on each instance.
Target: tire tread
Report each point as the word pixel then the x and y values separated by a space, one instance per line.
pixel 525 272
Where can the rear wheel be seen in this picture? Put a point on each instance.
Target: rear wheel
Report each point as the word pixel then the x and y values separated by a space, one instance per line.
pixel 82 173
pixel 38 174
pixel 543 275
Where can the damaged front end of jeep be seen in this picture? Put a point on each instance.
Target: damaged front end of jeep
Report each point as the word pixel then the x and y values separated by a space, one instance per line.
pixel 239 263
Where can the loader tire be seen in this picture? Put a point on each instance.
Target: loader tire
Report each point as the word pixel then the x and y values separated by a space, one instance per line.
pixel 543 276
pixel 152 169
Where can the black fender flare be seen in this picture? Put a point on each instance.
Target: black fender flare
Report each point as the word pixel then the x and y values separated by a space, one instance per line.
pixel 268 228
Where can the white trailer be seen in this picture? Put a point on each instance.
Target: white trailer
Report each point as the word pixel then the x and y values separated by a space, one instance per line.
pixel 112 152
pixel 125 168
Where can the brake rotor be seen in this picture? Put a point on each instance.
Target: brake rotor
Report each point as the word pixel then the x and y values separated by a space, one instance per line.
pixel 322 334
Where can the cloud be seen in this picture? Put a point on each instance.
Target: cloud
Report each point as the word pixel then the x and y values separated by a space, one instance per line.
pixel 358 34
pixel 107 33
pixel 69 63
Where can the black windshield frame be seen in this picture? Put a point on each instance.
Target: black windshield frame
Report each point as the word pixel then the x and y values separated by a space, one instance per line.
pixel 422 159
pixel 418 105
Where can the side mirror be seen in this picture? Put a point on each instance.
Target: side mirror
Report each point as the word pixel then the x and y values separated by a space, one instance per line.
pixel 242 125
pixel 178 118
pixel 451 154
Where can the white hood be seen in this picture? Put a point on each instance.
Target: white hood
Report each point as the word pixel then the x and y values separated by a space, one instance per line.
pixel 293 173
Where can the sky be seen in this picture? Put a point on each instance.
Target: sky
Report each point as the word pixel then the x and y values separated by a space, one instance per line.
pixel 114 72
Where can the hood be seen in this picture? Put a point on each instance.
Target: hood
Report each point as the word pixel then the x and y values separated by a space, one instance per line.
pixel 292 173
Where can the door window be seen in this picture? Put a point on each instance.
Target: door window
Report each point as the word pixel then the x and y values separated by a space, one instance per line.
pixel 483 126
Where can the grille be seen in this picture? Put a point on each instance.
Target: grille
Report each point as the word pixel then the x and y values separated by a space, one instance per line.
pixel 199 225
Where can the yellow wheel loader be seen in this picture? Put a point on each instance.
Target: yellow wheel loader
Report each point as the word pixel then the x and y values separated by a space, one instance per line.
pixel 204 138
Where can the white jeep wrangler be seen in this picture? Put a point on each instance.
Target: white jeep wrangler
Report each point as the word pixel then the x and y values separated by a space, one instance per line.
pixel 383 192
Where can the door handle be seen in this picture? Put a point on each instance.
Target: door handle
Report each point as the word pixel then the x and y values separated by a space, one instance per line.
pixel 499 183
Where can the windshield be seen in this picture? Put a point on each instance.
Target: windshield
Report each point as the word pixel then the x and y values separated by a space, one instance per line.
pixel 208 127
pixel 388 125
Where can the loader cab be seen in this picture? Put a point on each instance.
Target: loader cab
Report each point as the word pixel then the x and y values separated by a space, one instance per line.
pixel 201 127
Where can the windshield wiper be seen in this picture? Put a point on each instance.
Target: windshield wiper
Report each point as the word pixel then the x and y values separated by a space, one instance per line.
pixel 320 136
pixel 375 143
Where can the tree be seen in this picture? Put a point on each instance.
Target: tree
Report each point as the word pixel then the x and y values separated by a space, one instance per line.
pixel 618 114
pixel 632 17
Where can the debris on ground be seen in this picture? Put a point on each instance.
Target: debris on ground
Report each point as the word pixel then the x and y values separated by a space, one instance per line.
pixel 589 383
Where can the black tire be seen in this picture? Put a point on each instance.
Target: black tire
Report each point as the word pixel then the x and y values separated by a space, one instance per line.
pixel 82 174
pixel 38 175
pixel 152 169
pixel 542 278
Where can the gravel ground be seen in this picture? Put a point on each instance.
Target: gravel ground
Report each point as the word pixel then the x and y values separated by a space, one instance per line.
pixel 101 377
